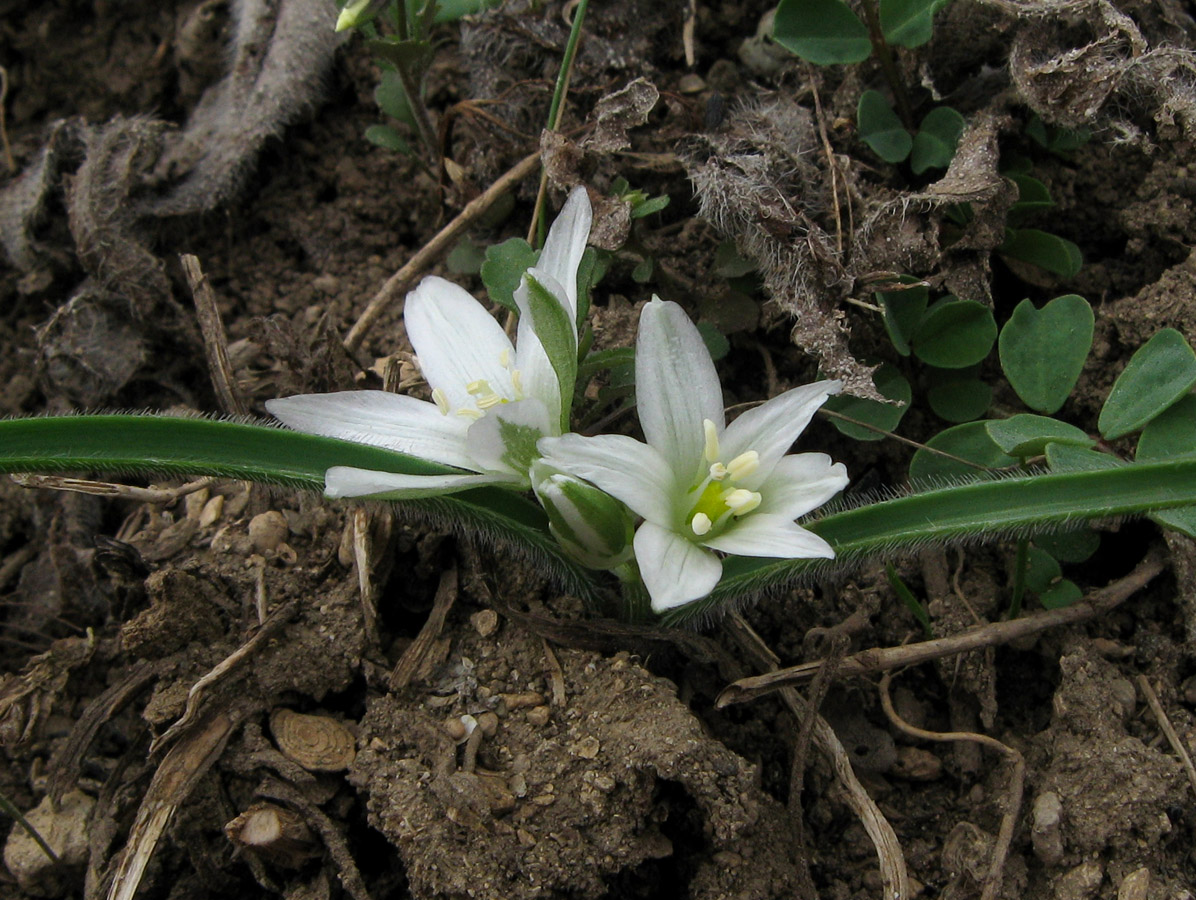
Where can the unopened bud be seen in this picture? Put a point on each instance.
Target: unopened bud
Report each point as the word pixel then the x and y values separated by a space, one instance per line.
pixel 593 527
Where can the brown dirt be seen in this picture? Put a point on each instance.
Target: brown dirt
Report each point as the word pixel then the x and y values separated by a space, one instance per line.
pixel 603 767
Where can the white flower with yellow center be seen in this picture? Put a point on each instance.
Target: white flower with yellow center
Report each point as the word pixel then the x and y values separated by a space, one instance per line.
pixel 700 485
pixel 491 402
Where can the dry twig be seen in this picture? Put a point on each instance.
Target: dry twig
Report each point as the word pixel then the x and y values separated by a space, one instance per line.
pixel 879 659
pixel 215 341
pixel 401 280
pixel 415 654
pixel 1173 738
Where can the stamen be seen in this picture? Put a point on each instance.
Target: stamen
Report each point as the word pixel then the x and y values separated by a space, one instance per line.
pixel 479 388
pixel 717 471
pixel 504 358
pixel 701 524
pixel 711 431
pixel 474 414
pixel 743 465
pixel 488 400
pixel 441 401
pixel 741 501
pixel 517 383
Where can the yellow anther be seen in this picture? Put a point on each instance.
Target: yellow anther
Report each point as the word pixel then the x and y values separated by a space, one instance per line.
pixel 701 524
pixel 441 401
pixel 741 501
pixel 504 358
pixel 717 471
pixel 743 465
pixel 479 388
pixel 517 383
pixel 474 414
pixel 711 431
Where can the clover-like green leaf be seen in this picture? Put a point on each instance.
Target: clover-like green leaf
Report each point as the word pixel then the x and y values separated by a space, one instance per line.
pixel 969 441
pixel 1170 435
pixel 1057 255
pixel 903 311
pixel 1070 546
pixel 880 128
pixel 1027 435
pixel 824 32
pixel 1157 375
pixel 891 384
pixel 1032 197
pixel 1042 351
pixel 936 140
pixel 955 333
pixel 503 267
pixel 957 395
pixel 908 23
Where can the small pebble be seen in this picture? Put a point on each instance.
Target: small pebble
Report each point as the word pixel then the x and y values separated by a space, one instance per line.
pixel 587 747
pixel 455 728
pixel 194 502
pixel 1045 831
pixel 485 622
pixel 211 512
pixel 523 700
pixel 544 800
pixel 691 83
pixel 488 722
pixel 267 530
pixel 1135 886
pixel 1125 696
pixel 538 716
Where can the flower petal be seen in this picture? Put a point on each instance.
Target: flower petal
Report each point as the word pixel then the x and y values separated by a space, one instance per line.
pixel 346 481
pixel 457 341
pixel 623 467
pixel 760 534
pixel 537 376
pixel 504 440
pixel 676 387
pixel 771 428
pixel 381 419
pixel 675 571
pixel 801 482
pixel 565 244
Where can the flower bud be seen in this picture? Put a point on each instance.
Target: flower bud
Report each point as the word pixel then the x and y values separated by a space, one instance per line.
pixel 593 527
pixel 358 12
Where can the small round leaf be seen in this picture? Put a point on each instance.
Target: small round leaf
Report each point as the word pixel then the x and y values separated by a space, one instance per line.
pixel 1157 375
pixel 1057 255
pixel 880 128
pixel 892 384
pixel 824 32
pixel 957 397
pixel 1042 351
pixel 936 140
pixel 1070 546
pixel 903 311
pixel 969 441
pixel 1027 435
pixel 955 333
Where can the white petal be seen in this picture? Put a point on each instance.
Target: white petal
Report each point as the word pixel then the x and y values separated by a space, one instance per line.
pixel 381 419
pixel 801 482
pixel 346 481
pixel 771 428
pixel 565 244
pixel 456 340
pixel 504 440
pixel 760 534
pixel 623 467
pixel 676 387
pixel 675 571
pixel 537 375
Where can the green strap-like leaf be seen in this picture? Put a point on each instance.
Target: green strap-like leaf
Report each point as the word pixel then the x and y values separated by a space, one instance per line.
pixel 261 453
pixel 961 512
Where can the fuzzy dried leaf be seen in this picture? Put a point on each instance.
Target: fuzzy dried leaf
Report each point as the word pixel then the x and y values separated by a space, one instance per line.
pixel 619 112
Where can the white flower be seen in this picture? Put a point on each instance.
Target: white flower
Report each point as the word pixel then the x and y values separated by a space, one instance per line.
pixel 702 486
pixel 491 401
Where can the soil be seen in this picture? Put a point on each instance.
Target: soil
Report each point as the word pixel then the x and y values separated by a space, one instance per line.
pixel 502 740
